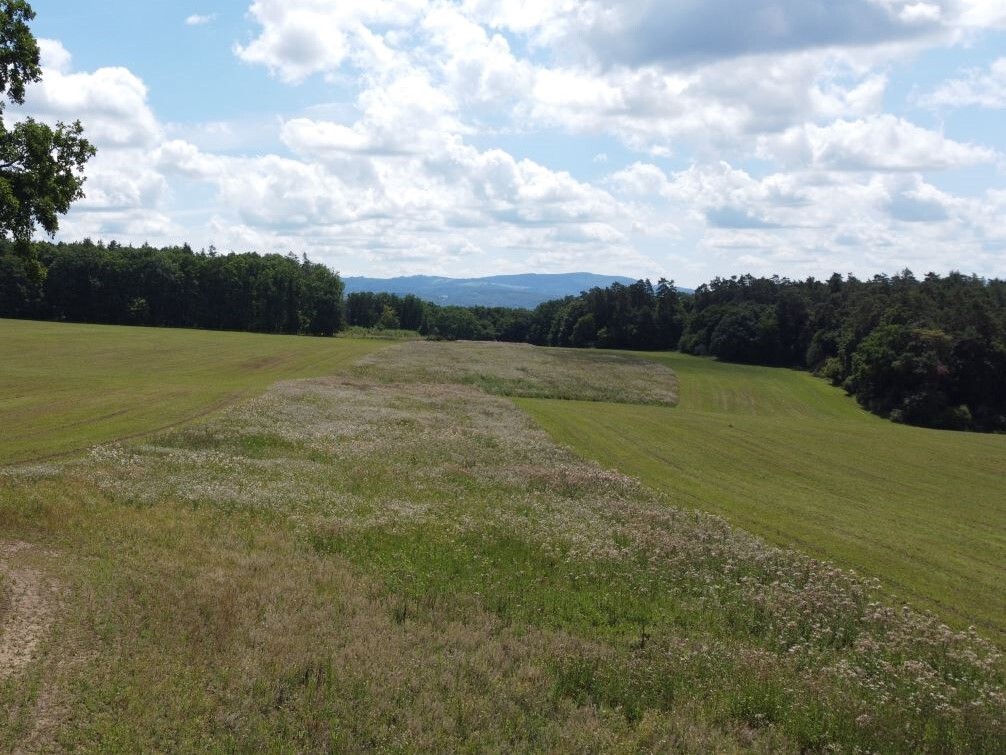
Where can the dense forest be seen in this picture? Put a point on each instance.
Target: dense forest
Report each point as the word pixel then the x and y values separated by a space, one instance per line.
pixel 172 287
pixel 927 352
pixel 391 311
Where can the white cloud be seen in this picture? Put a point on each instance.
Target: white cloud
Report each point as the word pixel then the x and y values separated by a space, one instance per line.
pixel 126 195
pixel 815 64
pixel 403 116
pixel 198 20
pixel 640 180
pixel 338 198
pixel 634 33
pixel 920 13
pixel 457 49
pixel 110 102
pixel 881 143
pixel 976 88
pixel 801 223
pixel 122 180
pixel 53 56
pixel 980 14
pixel 477 68
pixel 716 109
pixel 304 37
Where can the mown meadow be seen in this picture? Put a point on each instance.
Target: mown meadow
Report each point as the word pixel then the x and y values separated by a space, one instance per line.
pixel 787 456
pixel 64 386
pixel 396 557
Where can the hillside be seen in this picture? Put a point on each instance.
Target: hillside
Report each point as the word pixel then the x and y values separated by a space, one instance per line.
pixel 528 290
pixel 787 456
pixel 395 557
pixel 64 387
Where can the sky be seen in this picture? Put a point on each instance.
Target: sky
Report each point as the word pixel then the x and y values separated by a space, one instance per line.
pixel 649 138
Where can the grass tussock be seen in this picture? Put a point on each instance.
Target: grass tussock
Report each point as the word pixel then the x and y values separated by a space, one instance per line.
pixel 351 564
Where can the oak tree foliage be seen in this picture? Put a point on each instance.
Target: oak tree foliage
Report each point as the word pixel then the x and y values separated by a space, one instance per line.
pixel 41 167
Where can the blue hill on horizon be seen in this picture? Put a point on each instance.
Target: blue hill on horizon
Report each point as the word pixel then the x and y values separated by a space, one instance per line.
pixel 523 290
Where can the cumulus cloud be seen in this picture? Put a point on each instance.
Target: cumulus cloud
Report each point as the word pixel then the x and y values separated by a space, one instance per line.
pixel 487 188
pixel 717 108
pixel 53 56
pixel 340 196
pixel 303 37
pixel 804 223
pixel 683 79
pixel 979 14
pixel 736 217
pixel 920 13
pixel 638 32
pixel 977 88
pixel 110 102
pixel 882 143
pixel 913 209
pixel 125 192
pixel 641 32
pixel 478 67
pixel 460 49
pixel 405 116
pixel 123 180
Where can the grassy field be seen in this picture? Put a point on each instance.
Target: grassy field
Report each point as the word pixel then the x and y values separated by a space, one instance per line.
pixel 395 559
pixel 787 456
pixel 519 370
pixel 65 387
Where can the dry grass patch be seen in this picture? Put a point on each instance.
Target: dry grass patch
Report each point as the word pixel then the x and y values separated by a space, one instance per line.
pixel 509 369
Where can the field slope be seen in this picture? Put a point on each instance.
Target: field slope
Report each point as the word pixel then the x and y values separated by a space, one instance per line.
pixel 396 558
pixel 786 456
pixel 65 387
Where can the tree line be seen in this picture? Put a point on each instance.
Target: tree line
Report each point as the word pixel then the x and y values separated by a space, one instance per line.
pixel 926 352
pixel 171 287
pixel 454 323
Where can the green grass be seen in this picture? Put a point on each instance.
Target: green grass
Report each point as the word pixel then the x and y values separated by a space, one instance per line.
pixel 359 563
pixel 785 455
pixel 66 387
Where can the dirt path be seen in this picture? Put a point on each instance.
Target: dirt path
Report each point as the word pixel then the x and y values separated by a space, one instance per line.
pixel 28 608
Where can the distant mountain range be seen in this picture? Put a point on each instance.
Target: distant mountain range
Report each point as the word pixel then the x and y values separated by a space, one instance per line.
pixel 528 290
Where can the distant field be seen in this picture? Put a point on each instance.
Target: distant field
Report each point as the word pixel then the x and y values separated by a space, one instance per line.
pixel 512 369
pixel 785 455
pixel 64 387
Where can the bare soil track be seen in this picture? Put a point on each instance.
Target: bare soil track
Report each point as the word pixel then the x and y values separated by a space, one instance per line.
pixel 27 607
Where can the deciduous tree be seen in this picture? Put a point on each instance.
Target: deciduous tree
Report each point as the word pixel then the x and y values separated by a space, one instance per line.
pixel 41 167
